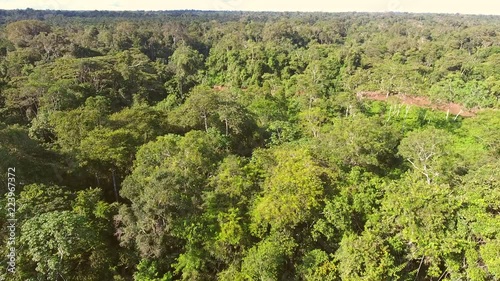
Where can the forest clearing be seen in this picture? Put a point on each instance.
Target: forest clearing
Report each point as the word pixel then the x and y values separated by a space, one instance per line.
pixel 452 108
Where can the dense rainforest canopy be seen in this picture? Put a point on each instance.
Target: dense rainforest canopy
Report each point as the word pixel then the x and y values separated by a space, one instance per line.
pixel 194 145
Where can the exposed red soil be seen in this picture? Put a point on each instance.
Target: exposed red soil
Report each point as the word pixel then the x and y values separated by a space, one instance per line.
pixel 453 108
pixel 223 88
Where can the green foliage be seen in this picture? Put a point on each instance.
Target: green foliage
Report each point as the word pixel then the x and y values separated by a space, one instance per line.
pixel 186 63
pixel 163 187
pixel 71 127
pixel 358 141
pixel 64 241
pixel 355 199
pixel 425 213
pixel 365 257
pixel 265 260
pixel 32 162
pixel 199 110
pixel 22 32
pixel 58 235
pixel 250 146
pixel 146 271
pixel 426 150
pixel 291 192
pixel 36 198
pixel 316 265
pixel 114 148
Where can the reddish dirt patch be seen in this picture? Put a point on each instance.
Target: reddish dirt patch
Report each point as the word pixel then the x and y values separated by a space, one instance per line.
pixel 453 108
pixel 219 88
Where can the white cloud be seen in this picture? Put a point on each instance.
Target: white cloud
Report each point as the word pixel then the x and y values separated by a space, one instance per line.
pixel 435 6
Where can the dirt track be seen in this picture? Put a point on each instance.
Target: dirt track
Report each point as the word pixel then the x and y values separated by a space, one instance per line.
pixel 453 108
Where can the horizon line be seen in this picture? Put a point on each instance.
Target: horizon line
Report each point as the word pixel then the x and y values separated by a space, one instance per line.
pixel 252 11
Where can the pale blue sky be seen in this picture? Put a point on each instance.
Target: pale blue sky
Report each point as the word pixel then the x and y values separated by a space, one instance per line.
pixel 432 6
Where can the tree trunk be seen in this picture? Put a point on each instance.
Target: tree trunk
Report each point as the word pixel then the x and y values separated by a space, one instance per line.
pixel 205 122
pixel 114 184
pixel 227 127
pixel 456 116
pixel 97 179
